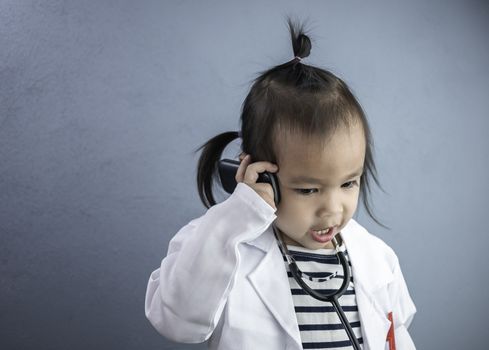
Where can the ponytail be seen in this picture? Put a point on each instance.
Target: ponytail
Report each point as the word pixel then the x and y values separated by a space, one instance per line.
pixel 207 165
pixel 301 44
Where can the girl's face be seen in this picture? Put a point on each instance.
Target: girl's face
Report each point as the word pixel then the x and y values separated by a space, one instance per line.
pixel 319 186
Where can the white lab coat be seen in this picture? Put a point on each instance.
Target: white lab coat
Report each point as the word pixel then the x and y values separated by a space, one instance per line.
pixel 224 281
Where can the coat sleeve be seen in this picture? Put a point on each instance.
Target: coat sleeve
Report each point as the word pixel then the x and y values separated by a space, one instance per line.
pixel 403 311
pixel 187 294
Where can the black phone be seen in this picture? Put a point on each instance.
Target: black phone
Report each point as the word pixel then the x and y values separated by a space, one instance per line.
pixel 227 173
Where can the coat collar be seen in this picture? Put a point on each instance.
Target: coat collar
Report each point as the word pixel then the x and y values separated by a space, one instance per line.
pixel 368 266
pixel 271 283
pixel 370 272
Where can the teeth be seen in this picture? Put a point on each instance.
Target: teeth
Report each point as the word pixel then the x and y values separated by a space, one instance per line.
pixel 322 232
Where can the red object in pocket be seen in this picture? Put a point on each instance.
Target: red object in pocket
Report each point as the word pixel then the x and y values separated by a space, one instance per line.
pixel 390 335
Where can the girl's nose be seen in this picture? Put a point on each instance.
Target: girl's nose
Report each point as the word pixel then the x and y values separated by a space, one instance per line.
pixel 329 205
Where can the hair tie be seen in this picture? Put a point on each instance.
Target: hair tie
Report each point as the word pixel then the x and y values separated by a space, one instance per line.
pixel 297 58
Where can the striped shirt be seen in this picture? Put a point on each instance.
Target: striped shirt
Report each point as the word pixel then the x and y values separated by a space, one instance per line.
pixel 320 327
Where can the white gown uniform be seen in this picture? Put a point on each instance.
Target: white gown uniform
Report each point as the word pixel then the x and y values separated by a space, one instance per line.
pixel 224 282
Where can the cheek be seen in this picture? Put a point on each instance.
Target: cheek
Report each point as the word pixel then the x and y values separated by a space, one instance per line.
pixel 352 204
pixel 291 209
pixel 288 204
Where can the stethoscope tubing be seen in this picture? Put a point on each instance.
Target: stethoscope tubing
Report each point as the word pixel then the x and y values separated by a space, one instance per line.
pixel 333 297
pixel 346 324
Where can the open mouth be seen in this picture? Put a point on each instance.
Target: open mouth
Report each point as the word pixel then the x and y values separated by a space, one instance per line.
pixel 324 235
pixel 323 231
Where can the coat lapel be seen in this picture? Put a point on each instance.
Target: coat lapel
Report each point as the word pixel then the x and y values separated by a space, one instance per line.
pixel 370 274
pixel 271 283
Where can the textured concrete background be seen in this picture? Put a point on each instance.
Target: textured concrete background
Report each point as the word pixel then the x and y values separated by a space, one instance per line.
pixel 103 102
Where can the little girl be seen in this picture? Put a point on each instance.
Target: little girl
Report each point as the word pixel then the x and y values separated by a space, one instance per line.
pixel 226 278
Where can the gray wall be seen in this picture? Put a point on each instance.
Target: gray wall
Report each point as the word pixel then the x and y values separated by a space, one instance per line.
pixel 102 104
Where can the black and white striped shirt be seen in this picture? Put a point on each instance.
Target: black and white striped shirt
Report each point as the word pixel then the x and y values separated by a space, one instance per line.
pixel 320 327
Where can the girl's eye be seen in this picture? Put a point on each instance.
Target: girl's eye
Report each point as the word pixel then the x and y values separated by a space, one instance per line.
pixel 309 191
pixel 349 184
pixel 305 191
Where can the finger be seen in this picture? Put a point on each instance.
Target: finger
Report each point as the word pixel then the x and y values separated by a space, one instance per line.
pixel 253 170
pixel 242 168
pixel 242 155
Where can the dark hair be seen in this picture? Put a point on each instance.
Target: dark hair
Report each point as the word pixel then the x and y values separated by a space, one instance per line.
pixel 291 97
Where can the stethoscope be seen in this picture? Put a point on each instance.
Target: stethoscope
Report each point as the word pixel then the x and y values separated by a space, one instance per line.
pixel 333 297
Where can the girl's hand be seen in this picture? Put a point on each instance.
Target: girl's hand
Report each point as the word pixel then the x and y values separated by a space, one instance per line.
pixel 248 173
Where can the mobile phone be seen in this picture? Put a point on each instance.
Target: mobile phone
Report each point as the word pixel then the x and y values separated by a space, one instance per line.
pixel 227 173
